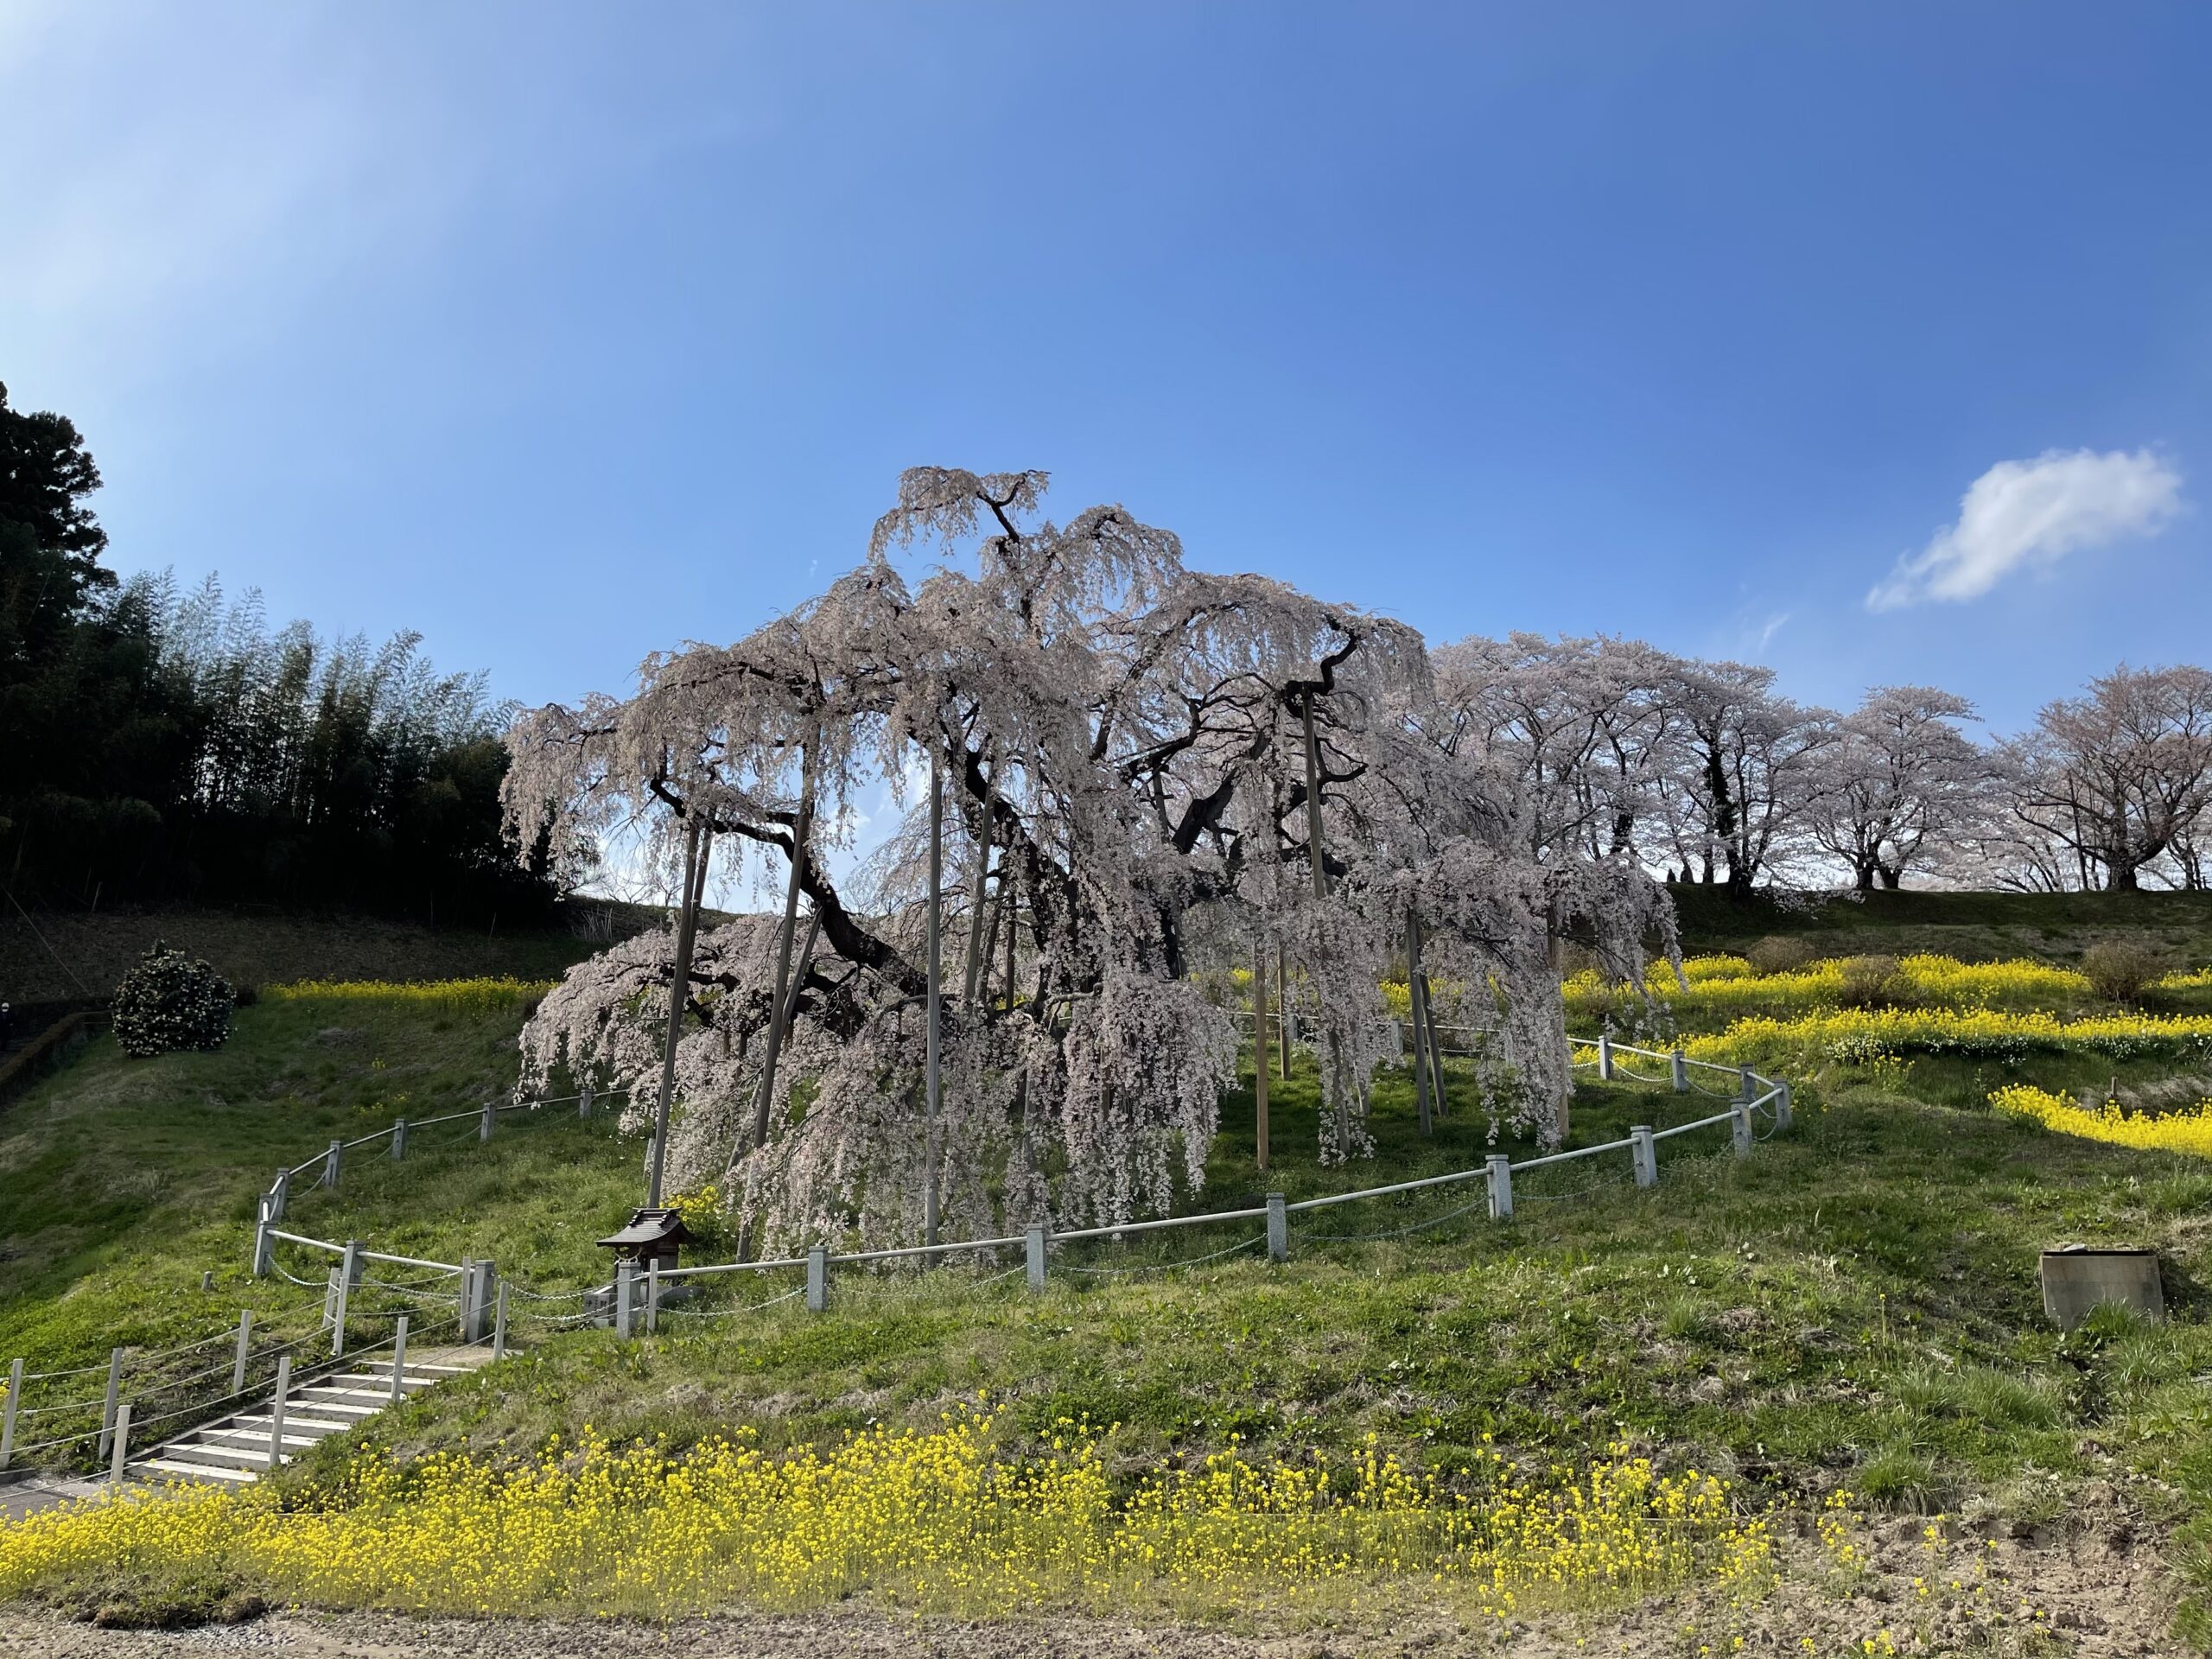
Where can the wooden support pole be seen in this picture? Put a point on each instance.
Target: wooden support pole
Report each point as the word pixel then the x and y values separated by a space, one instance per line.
pixel 1282 1001
pixel 1435 1046
pixel 245 1350
pixel 1260 1055
pixel 1419 1032
pixel 934 1098
pixel 1313 799
pixel 974 959
pixel 779 1010
pixel 697 850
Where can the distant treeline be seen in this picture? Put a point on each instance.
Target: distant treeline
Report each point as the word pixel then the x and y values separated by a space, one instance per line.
pixel 161 745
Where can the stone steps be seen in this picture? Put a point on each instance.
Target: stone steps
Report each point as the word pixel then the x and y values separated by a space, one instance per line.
pixel 233 1450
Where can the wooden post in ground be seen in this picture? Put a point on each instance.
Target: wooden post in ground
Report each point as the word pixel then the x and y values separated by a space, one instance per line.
pixel 1282 1020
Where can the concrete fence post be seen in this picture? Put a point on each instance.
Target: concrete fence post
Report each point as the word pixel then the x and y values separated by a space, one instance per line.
pixel 1745 1083
pixel 245 1346
pixel 277 1411
pixel 818 1278
pixel 499 1324
pixel 1034 1249
pixel 7 1411
pixel 399 1361
pixel 477 1316
pixel 484 1124
pixel 622 1273
pixel 107 1411
pixel 122 1446
pixel 1278 1228
pixel 1783 1115
pixel 653 1297
pixel 1643 1153
pixel 1501 1187
pixel 280 1194
pixel 1605 1057
pixel 1681 1068
pixel 349 1275
pixel 331 1160
pixel 398 1139
pixel 583 1099
pixel 1742 1126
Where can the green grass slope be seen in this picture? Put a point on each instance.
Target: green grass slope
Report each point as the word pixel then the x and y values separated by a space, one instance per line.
pixel 1853 1306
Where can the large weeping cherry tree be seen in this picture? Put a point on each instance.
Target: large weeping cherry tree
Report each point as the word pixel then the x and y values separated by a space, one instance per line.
pixel 1138 771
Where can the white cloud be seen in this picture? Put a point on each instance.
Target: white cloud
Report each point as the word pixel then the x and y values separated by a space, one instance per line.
pixel 2029 514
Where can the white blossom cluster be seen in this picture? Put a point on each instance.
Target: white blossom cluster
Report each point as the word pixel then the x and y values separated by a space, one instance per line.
pixel 1124 750
pixel 169 1001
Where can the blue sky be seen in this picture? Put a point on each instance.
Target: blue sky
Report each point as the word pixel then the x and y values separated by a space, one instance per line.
pixel 565 333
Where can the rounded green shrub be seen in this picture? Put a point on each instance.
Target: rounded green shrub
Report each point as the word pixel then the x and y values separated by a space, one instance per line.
pixel 169 1002
pixel 1873 983
pixel 1778 954
pixel 2119 970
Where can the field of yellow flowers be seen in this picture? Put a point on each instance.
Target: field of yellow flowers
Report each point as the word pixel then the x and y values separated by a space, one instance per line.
pixel 2186 1131
pixel 937 1521
pixel 495 994
pixel 1721 986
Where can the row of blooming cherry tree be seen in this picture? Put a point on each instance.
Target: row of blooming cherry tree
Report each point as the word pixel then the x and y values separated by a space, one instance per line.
pixel 1702 769
pixel 1131 771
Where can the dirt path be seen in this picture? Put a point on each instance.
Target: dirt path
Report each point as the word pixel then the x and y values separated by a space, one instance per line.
pixel 864 1636
pixel 2102 1592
